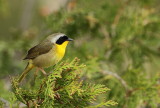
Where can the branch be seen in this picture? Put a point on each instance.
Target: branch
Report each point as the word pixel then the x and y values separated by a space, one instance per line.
pixel 123 82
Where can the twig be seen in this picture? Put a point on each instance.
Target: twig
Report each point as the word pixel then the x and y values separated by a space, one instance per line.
pixel 117 77
pixel 28 106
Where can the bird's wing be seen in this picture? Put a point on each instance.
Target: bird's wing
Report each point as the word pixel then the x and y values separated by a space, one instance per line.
pixel 39 49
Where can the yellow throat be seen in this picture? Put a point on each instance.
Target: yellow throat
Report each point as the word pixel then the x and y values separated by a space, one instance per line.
pixel 60 49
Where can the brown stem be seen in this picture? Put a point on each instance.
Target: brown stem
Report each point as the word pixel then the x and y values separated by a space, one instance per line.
pixel 28 106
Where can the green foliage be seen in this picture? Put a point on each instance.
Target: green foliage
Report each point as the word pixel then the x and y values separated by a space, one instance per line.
pixel 119 37
pixel 61 89
pixel 118 41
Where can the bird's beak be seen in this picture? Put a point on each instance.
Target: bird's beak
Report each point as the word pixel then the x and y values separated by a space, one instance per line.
pixel 69 39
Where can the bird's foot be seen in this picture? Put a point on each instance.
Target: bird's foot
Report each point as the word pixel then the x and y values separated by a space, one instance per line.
pixel 42 70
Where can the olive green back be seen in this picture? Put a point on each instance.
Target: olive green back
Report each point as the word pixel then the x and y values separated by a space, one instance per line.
pixel 39 49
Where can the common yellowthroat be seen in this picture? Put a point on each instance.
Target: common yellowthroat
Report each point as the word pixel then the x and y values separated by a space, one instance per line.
pixel 47 53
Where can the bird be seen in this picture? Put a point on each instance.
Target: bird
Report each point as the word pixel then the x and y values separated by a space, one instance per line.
pixel 47 53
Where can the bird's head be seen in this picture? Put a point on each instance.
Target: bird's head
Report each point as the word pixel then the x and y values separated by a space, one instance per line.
pixel 59 38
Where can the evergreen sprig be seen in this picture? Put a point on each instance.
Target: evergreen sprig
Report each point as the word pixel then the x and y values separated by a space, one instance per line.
pixel 62 88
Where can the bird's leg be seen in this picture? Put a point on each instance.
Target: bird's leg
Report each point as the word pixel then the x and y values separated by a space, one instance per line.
pixel 42 70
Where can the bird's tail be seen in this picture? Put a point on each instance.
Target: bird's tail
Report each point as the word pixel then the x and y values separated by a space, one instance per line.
pixel 25 72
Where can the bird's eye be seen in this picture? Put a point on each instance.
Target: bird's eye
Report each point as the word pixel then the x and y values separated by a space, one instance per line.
pixel 61 40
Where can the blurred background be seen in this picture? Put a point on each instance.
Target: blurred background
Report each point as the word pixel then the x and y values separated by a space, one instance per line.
pixel 118 40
